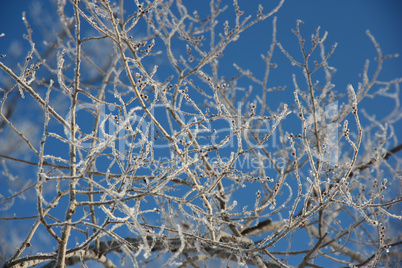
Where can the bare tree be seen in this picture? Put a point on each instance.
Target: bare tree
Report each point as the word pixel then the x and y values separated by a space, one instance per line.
pixel 146 153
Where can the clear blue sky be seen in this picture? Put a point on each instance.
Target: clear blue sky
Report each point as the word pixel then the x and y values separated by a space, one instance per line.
pixel 346 22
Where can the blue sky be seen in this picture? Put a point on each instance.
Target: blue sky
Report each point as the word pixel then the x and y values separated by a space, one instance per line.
pixel 345 21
